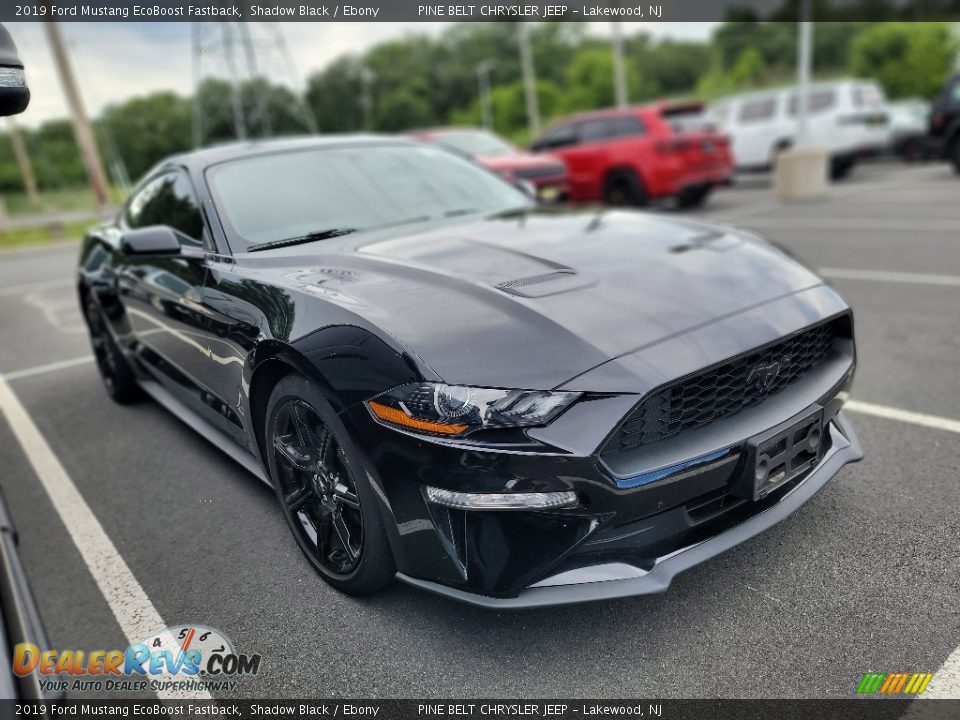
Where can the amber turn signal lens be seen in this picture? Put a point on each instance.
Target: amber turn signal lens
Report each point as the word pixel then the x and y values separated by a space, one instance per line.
pixel 398 417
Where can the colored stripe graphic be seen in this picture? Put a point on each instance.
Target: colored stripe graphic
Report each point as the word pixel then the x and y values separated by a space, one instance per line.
pixel 870 683
pixel 894 683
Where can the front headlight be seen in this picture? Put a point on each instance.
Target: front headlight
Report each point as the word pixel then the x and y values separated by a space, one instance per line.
pixel 456 410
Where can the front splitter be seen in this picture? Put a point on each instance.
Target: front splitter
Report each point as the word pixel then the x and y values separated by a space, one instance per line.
pixel 845 449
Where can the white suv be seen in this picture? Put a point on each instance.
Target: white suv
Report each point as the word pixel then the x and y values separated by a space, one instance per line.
pixel 848 118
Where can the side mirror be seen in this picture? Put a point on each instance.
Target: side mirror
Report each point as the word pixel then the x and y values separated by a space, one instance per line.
pixel 153 240
pixel 14 93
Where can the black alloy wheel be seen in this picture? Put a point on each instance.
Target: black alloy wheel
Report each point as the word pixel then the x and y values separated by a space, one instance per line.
pixel 118 378
pixel 331 514
pixel 624 189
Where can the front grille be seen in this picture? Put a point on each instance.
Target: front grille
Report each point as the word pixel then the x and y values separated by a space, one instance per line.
pixel 542 171
pixel 724 389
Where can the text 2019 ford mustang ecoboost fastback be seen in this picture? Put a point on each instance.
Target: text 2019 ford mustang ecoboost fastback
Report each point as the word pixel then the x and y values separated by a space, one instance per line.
pixel 505 404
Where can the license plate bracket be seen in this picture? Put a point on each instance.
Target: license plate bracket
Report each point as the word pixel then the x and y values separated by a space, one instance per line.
pixel 777 456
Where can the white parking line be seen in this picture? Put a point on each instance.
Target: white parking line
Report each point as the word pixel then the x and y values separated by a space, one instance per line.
pixel 49 367
pixel 886 276
pixel 134 611
pixel 908 416
pixel 946 681
pixel 30 287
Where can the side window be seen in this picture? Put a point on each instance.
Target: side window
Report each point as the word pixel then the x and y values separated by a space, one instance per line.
pixel 818 101
pixel 757 110
pixel 626 126
pixel 167 200
pixel 594 130
pixel 955 93
pixel 560 136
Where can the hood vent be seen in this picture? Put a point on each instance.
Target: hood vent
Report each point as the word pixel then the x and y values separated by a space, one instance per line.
pixel 550 283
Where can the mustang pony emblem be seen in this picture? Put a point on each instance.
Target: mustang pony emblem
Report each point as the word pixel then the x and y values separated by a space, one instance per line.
pixel 763 375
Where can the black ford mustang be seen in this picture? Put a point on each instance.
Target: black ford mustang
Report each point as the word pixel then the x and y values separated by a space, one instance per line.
pixel 507 405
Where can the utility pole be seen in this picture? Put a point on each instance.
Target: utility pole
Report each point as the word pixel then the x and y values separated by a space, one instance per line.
pixel 198 50
pixel 804 62
pixel 367 76
pixel 529 80
pixel 23 160
pixel 252 58
pixel 261 98
pixel 83 132
pixel 619 71
pixel 236 102
pixel 483 83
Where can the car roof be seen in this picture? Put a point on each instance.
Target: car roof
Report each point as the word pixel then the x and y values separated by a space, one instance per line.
pixel 787 89
pixel 655 106
pixel 205 157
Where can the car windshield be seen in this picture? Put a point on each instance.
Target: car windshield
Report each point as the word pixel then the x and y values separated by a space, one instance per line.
pixel 475 142
pixel 287 195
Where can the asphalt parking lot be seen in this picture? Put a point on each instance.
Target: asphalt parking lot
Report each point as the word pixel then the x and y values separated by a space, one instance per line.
pixel 864 578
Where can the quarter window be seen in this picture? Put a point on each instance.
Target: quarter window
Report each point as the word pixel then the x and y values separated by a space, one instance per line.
pixel 625 126
pixel 167 200
pixel 757 110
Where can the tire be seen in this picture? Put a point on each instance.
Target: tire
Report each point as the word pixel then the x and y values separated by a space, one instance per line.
pixel 840 168
pixel 780 147
pixel 954 155
pixel 118 379
pixel 694 196
pixel 328 504
pixel 624 189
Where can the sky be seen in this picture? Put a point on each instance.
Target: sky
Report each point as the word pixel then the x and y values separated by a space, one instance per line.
pixel 117 61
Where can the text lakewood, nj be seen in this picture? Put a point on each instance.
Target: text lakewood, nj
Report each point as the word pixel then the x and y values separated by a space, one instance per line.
pixel 537 11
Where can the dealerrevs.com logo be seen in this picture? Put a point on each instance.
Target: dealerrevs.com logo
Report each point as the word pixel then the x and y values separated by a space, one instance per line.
pixel 182 657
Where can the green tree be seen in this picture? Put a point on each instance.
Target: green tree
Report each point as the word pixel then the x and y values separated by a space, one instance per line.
pixel 403 109
pixel 589 80
pixel 334 95
pixel 909 59
pixel 510 109
pixel 147 129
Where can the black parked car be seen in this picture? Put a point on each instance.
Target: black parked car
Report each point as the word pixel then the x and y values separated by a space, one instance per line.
pixel 945 122
pixel 20 621
pixel 501 403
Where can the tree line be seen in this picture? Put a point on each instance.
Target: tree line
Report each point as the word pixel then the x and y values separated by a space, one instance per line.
pixel 421 81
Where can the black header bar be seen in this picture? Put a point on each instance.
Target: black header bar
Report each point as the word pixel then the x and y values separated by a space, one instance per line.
pixel 507 709
pixel 526 10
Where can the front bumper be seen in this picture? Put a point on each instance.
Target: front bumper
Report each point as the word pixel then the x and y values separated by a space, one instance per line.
pixel 615 579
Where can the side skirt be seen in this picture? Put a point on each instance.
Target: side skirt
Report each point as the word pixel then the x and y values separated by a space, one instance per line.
pixel 218 438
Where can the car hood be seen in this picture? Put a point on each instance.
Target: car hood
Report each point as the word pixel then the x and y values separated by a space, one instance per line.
pixel 520 161
pixel 537 299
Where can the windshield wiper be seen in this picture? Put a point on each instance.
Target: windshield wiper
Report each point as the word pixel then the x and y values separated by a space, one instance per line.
pixel 309 237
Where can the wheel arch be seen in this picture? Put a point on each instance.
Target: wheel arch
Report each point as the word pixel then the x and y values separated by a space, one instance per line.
pixel 619 171
pixel 348 363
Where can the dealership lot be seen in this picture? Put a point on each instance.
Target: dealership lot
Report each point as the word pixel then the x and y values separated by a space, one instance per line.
pixel 863 578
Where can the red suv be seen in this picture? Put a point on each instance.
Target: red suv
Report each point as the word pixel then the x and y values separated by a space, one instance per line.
pixel 631 155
